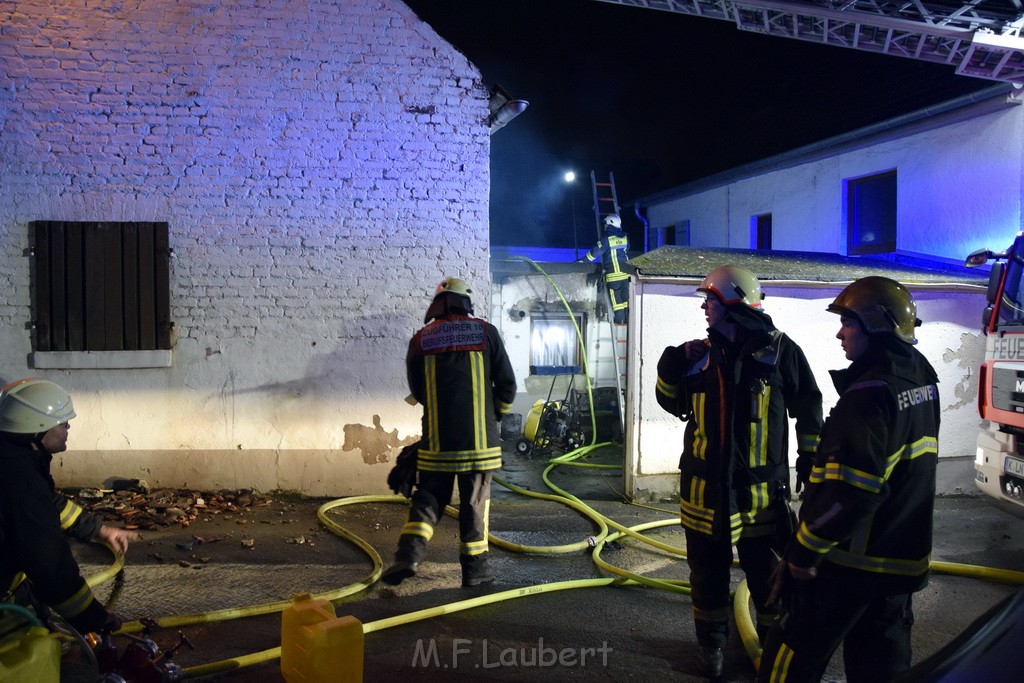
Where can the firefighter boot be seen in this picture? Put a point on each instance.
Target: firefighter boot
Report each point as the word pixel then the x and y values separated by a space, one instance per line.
pixel 476 569
pixel 710 661
pixel 399 572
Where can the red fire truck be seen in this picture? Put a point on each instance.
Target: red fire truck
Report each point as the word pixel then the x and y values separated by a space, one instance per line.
pixel 999 460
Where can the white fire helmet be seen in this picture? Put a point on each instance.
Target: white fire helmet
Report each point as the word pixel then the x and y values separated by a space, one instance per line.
pixel 33 406
pixel 733 285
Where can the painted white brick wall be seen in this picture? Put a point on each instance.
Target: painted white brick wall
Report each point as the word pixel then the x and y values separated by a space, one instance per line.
pixel 321 164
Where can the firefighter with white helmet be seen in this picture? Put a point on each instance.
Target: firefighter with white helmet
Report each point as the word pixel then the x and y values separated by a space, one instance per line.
pixel 613 251
pixel 459 371
pixel 36 564
pixel 734 389
pixel 863 544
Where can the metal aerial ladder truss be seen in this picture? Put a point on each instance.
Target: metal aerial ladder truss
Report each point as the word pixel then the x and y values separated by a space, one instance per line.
pixel 980 38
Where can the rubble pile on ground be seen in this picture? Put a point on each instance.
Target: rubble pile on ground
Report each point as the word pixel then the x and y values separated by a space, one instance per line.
pixel 134 506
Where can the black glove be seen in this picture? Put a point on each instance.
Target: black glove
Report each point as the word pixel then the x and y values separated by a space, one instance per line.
pixel 113 622
pixel 402 481
pixel 804 462
pixel 402 477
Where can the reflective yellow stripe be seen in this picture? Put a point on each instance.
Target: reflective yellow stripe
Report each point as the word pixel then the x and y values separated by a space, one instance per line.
pixel 923 446
pixel 880 565
pixel 697 488
pixel 807 442
pixel 695 517
pixel 926 445
pixel 68 514
pixel 759 431
pixel 473 547
pixel 460 461
pixel 421 529
pixel 430 377
pixel 833 471
pixel 476 372
pixel 666 389
pixel 815 544
pixel 780 667
pixel 15 582
pixel 76 604
pixel 758 496
pixel 616 246
pixel 700 439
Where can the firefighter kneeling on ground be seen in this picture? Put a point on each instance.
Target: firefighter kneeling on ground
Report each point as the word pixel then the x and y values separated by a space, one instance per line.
pixel 37 568
pixel 613 251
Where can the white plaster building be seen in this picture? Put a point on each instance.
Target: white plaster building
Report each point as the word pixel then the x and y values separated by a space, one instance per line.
pixel 940 182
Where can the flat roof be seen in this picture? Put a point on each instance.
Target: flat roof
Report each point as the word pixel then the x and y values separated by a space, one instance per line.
pixel 673 262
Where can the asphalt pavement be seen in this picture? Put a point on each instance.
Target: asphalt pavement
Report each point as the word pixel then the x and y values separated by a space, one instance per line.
pixel 278 548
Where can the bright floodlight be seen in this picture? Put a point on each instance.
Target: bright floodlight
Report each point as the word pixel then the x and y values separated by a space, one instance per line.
pixel 570 176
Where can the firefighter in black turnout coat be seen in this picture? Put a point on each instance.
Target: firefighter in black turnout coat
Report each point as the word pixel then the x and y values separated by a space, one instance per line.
pixel 863 545
pixel 37 568
pixel 734 389
pixel 459 371
pixel 613 252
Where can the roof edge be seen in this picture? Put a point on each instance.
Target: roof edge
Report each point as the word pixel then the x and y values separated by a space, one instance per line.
pixel 799 153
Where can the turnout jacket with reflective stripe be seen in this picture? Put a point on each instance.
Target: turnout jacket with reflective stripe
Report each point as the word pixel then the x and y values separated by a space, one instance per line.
pixel 735 399
pixel 868 507
pixel 459 371
pixel 613 251
pixel 34 519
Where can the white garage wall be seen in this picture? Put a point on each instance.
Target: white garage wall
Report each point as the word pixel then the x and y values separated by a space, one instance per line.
pixel 669 315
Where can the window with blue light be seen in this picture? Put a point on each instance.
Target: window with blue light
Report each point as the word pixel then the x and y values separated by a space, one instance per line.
pixel 761 231
pixel 677 234
pixel 871 214
pixel 554 345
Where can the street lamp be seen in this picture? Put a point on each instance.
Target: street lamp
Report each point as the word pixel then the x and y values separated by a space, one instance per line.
pixel 570 177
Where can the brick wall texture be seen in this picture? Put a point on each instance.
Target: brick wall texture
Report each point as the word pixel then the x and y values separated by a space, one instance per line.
pixel 321 163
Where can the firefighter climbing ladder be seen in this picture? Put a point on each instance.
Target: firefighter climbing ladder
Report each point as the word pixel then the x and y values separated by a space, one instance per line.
pixel 606 203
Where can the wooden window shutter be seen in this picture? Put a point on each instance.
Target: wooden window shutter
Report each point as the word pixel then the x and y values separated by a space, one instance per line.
pixel 101 286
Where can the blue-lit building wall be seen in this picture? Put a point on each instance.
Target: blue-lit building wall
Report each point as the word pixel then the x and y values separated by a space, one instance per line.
pixel 958 186
pixel 321 166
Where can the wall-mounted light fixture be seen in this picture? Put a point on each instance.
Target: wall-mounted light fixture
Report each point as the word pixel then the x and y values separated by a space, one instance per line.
pixel 502 108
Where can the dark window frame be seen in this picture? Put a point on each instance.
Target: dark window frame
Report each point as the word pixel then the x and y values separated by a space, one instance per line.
pixel 101 286
pixel 761 231
pixel 871 202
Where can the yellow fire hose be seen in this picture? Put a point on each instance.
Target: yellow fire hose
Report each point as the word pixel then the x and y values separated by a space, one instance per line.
pixel 622 576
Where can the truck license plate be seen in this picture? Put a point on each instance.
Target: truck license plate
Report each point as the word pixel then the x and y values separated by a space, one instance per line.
pixel 1014 466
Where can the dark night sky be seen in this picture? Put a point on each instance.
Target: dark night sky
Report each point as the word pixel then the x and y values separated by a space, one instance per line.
pixel 657 98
